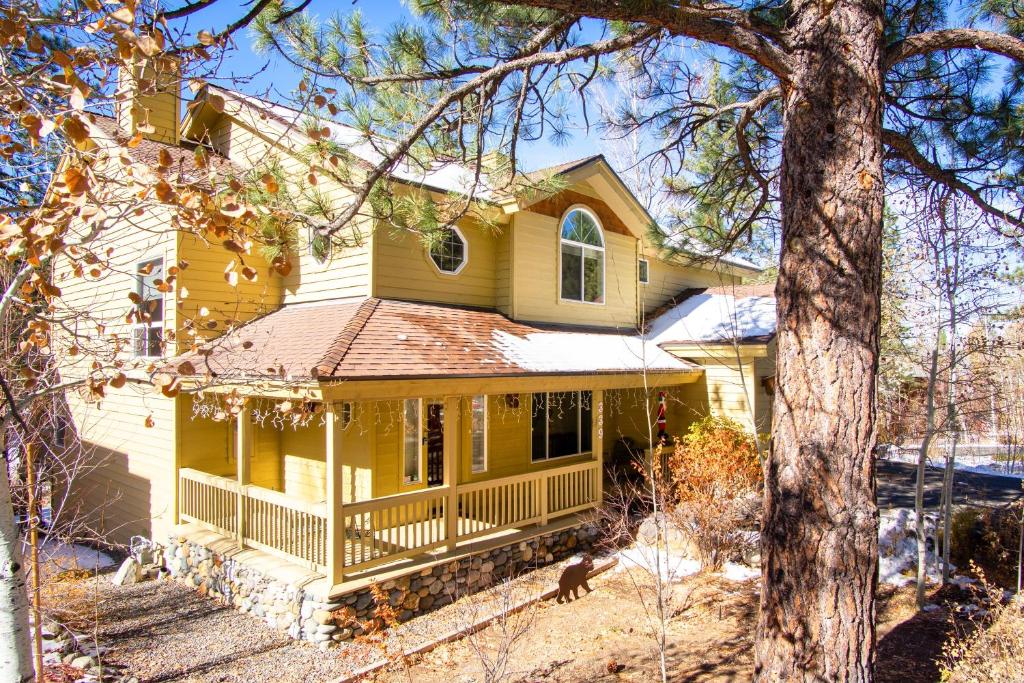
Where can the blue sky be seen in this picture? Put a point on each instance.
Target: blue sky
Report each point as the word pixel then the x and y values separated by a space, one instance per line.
pixel 278 78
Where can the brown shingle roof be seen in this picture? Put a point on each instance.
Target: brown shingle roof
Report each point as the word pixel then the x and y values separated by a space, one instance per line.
pixel 183 159
pixel 383 338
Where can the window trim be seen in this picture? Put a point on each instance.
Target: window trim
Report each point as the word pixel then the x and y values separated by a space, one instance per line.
pixel 345 414
pixel 419 442
pixel 547 426
pixel 465 254
pixel 486 465
pixel 643 273
pixel 562 241
pixel 147 326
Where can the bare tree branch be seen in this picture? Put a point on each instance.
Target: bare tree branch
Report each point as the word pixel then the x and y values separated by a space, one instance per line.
pixel 711 22
pixel 954 39
pixel 495 73
pixel 905 149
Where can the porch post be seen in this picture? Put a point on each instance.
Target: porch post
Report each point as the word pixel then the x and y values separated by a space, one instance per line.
pixel 335 514
pixel 243 456
pixel 452 442
pixel 597 440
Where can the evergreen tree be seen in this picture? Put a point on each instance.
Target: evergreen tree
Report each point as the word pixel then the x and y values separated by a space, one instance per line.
pixel 818 108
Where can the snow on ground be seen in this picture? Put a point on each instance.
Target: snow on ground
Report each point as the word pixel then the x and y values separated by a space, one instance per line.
pixel 740 572
pixel 672 565
pixel 63 556
pixel 897 547
pixel 965 462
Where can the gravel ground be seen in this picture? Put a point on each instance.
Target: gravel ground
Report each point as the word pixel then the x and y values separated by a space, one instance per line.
pixel 163 631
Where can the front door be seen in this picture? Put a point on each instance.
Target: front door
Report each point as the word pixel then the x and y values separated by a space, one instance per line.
pixel 435 444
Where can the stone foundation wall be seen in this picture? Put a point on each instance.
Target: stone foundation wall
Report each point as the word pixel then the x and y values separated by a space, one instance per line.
pixel 307 617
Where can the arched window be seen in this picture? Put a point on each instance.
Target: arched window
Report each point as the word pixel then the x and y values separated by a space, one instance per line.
pixel 582 258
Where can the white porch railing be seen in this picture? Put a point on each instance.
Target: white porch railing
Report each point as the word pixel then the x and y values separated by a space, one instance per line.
pixel 293 529
pixel 384 529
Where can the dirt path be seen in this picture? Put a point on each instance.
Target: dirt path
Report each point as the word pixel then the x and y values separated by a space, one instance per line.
pixel 608 636
pixel 161 631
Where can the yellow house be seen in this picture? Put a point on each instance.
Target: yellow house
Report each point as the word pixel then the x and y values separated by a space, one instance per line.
pixel 386 407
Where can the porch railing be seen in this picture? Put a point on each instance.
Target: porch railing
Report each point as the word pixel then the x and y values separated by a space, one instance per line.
pixel 384 529
pixel 293 529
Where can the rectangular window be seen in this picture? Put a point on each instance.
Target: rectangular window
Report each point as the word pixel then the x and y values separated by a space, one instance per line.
pixel 148 333
pixel 644 270
pixel 561 424
pixel 478 433
pixel 411 442
pixel 572 272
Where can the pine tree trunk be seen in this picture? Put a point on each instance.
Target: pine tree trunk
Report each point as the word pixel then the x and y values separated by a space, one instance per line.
pixel 15 646
pixel 820 527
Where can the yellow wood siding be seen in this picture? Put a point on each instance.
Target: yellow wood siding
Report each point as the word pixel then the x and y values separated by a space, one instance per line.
pixel 347 272
pixel 355 446
pixel 304 456
pixel 626 412
pixel 402 269
pixel 732 387
pixel 129 489
pixel 208 288
pixel 667 280
pixel 503 271
pixel 537 247
pixel 132 488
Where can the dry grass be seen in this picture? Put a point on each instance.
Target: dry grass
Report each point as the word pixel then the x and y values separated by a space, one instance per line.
pixel 988 654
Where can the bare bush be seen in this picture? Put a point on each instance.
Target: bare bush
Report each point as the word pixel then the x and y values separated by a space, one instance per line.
pixel 990 647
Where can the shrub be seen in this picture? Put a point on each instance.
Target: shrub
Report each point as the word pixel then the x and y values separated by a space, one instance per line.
pixel 989 538
pixel 989 648
pixel 715 478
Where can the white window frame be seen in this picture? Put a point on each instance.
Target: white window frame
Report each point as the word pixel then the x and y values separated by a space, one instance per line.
pixel 147 326
pixel 329 252
pixel 643 271
pixel 465 254
pixel 547 426
pixel 583 248
pixel 472 465
pixel 406 481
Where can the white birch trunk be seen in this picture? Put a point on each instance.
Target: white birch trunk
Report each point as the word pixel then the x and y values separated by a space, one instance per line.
pixel 15 645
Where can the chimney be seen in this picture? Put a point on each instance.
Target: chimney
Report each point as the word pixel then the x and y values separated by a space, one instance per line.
pixel 148 98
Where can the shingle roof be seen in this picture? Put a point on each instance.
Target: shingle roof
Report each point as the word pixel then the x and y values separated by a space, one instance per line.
pixel 383 338
pixel 183 161
pixel 732 313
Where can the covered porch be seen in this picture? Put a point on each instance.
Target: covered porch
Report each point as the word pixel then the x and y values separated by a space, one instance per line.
pixel 352 487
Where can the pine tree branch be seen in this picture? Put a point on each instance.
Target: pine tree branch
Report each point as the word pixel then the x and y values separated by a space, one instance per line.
pixel 493 75
pixel 904 148
pixel 710 22
pixel 954 39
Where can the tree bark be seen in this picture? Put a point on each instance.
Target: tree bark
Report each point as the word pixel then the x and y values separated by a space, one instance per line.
pixel 15 646
pixel 922 463
pixel 820 527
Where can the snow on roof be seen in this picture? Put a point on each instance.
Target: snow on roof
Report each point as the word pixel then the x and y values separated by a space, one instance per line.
pixel 447 176
pixel 718 314
pixel 584 352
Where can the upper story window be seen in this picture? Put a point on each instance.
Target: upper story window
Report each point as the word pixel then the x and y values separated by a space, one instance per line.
pixel 449 251
pixel 644 271
pixel 148 333
pixel 582 258
pixel 319 245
